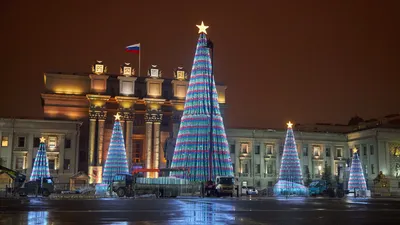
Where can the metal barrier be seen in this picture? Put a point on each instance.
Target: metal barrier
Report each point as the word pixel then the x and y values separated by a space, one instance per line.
pixel 267 192
pixel 66 187
pixel 168 190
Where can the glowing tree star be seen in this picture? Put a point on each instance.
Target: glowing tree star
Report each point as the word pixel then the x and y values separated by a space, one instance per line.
pixel 41 165
pixel 201 144
pixel 290 180
pixel 116 162
pixel 357 179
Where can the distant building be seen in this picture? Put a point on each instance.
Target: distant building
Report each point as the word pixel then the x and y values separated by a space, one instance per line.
pixel 256 154
pixel 20 139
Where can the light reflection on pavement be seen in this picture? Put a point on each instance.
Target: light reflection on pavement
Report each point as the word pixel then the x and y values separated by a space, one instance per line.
pixel 214 211
pixel 40 217
pixel 205 213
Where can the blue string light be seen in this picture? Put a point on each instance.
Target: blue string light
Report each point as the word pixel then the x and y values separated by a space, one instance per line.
pixel 290 181
pixel 194 142
pixel 116 162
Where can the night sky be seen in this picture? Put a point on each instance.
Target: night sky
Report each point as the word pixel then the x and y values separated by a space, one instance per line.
pixel 307 61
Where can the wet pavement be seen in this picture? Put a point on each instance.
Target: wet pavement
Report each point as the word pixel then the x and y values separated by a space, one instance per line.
pixel 201 211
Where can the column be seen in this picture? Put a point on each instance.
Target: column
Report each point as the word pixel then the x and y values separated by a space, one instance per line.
pixel 76 145
pixel 61 154
pixel 92 135
pixel 176 121
pixel 128 138
pixel 10 154
pixel 310 160
pixel 262 163
pixel 100 138
pixel 277 160
pixel 149 126
pixel 332 159
pixel 122 122
pixel 156 144
pixel 30 157
pixel 238 165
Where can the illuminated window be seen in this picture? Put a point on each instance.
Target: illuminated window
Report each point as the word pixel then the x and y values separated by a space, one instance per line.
pixel 4 141
pixel 52 143
pixel 154 73
pixel 269 149
pixel 244 148
pixel 317 151
pixel 20 163
pixel 318 168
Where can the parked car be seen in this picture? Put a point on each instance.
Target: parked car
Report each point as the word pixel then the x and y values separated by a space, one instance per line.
pixel 252 191
pixel 249 190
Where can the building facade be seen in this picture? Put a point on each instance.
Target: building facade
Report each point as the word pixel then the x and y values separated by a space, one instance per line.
pixel 256 154
pixel 151 107
pixel 20 139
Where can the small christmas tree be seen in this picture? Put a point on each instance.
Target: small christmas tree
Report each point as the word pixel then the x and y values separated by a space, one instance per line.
pixel 201 145
pixel 308 177
pixel 41 165
pixel 116 162
pixel 290 181
pixel 357 179
pixel 327 175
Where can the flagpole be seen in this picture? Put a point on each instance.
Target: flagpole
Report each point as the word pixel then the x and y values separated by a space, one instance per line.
pixel 140 52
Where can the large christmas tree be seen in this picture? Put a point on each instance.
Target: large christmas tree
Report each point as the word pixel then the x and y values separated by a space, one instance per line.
pixel 116 162
pixel 201 145
pixel 357 179
pixel 290 180
pixel 41 165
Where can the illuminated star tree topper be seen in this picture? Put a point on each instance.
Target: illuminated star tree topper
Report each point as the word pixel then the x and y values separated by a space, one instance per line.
pixel 202 28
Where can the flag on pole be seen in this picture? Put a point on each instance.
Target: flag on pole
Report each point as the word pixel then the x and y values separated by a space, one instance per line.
pixel 133 48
